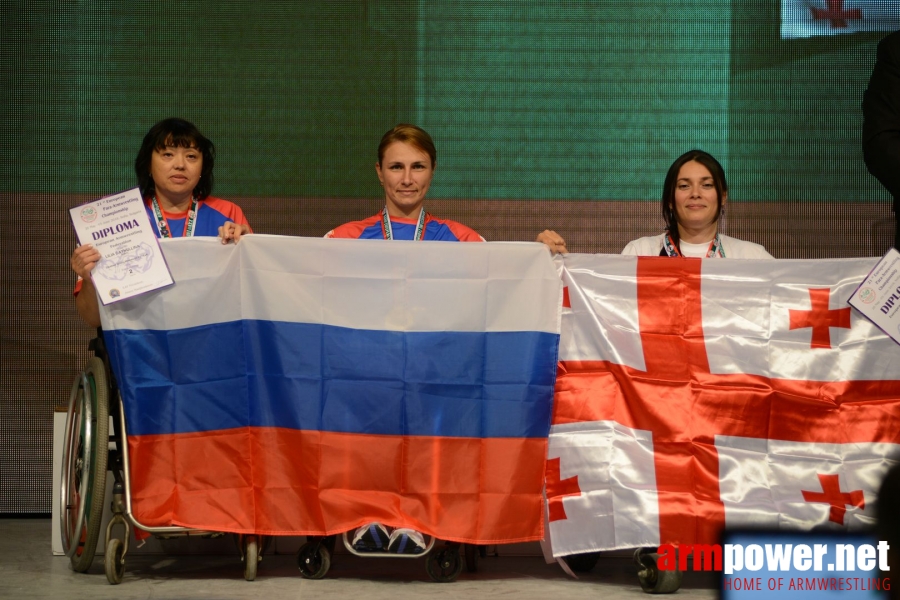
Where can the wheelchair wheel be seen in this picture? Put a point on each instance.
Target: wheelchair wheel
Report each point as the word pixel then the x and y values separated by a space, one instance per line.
pixel 444 565
pixel 115 566
pixel 582 563
pixel 653 580
pixel 251 556
pixel 472 553
pixel 85 454
pixel 313 560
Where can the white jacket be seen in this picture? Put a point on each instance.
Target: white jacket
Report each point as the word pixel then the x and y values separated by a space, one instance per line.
pixel 652 245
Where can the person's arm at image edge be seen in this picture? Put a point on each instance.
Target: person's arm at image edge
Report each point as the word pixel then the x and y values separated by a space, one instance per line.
pixel 881 113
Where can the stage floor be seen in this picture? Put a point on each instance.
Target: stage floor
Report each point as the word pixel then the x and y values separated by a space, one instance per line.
pixel 29 570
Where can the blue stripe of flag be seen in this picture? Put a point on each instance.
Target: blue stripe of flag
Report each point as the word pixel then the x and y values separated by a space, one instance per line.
pixel 326 378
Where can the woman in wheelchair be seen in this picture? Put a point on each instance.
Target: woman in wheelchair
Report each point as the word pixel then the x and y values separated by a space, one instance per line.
pixel 174 167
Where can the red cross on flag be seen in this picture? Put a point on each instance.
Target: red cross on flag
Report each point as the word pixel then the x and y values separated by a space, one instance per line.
pixel 810 18
pixel 694 394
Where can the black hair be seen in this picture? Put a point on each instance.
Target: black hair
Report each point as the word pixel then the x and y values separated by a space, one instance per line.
pixel 668 195
pixel 182 134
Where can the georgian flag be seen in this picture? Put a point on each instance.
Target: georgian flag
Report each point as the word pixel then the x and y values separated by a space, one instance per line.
pixel 810 18
pixel 694 394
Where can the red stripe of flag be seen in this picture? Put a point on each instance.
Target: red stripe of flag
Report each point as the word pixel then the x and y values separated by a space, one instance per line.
pixel 288 482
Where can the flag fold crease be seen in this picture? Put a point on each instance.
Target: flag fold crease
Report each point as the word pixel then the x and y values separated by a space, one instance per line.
pixel 305 386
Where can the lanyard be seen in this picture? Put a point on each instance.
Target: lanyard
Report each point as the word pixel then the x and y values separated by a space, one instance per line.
pixel 163 225
pixel 715 247
pixel 389 233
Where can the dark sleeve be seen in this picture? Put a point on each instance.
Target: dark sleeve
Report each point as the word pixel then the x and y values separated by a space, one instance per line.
pixel 881 117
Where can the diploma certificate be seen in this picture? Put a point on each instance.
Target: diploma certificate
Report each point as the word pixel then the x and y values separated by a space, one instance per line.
pixel 119 228
pixel 878 296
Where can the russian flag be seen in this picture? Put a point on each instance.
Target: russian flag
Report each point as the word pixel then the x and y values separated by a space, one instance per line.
pixel 292 386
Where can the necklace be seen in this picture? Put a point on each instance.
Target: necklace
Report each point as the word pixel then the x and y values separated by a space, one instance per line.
pixel 715 247
pixel 163 224
pixel 388 232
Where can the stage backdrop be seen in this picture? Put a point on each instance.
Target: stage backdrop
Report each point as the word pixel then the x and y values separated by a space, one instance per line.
pixel 545 114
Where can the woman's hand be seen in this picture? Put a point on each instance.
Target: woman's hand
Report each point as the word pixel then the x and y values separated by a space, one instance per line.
pixel 553 240
pixel 84 259
pixel 231 232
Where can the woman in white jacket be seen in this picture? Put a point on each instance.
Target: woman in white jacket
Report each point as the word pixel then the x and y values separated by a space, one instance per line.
pixel 694 196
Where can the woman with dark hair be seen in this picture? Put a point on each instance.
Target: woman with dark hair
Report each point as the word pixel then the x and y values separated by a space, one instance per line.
pixel 694 196
pixel 174 167
pixel 163 138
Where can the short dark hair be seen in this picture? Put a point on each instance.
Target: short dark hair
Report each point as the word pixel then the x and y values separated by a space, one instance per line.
pixel 668 195
pixel 181 134
pixel 409 134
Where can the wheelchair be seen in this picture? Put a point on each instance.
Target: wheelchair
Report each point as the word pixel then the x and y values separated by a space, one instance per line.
pixel 443 565
pixel 90 451
pixel 653 580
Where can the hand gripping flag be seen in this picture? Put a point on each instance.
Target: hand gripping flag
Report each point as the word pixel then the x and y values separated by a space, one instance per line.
pixel 694 394
pixel 308 386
